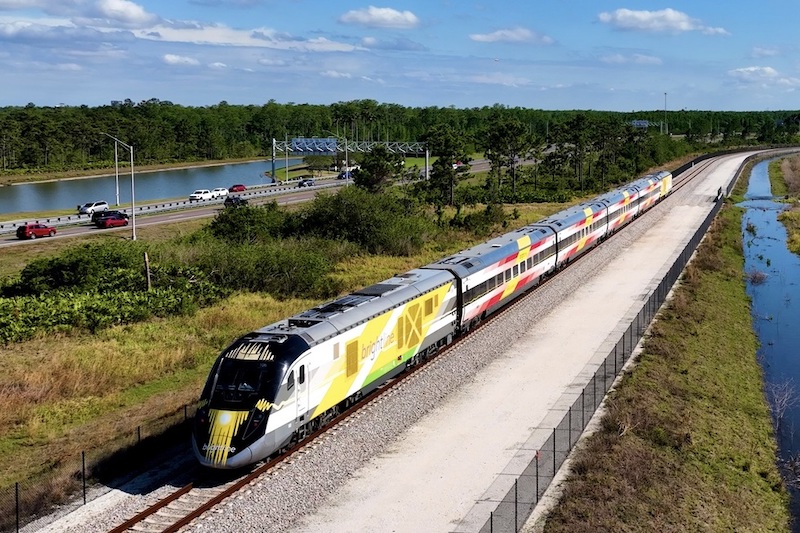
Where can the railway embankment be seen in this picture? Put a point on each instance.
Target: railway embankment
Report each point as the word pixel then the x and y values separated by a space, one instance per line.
pixel 687 443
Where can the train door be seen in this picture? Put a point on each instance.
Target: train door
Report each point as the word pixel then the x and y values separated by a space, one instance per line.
pixel 302 391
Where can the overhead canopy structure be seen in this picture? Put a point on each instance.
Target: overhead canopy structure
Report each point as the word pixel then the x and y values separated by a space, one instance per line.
pixel 334 145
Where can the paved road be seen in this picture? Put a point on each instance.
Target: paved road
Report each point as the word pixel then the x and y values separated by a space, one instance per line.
pixel 87 228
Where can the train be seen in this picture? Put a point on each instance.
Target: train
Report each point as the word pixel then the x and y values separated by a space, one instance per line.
pixel 274 386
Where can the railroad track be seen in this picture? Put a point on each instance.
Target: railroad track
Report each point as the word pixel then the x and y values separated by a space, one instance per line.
pixel 180 508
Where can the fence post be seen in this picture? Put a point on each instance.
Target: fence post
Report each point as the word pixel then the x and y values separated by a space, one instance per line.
pixel 554 453
pixel 583 411
pixel 16 502
pixel 569 429
pixel 537 478
pixel 83 474
pixel 491 522
pixel 516 500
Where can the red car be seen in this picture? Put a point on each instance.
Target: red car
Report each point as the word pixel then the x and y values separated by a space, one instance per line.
pixel 31 231
pixel 113 221
pixel 237 188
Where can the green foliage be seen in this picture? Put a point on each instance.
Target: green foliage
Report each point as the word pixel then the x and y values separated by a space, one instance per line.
pixel 97 285
pixel 115 265
pixel 68 138
pixel 23 317
pixel 481 223
pixel 378 168
pixel 282 268
pixel 376 223
pixel 449 146
pixel 249 224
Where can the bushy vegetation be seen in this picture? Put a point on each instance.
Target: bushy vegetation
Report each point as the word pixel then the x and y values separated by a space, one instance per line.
pixel 377 224
pixel 252 248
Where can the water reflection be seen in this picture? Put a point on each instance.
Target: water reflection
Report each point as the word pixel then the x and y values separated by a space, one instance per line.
pixel 150 186
pixel 773 273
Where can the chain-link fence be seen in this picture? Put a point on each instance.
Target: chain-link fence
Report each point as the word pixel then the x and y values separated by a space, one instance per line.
pixel 515 507
pixel 67 484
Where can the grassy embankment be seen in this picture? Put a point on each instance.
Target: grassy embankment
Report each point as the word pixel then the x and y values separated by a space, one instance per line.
pixel 68 392
pixel 687 442
pixel 784 177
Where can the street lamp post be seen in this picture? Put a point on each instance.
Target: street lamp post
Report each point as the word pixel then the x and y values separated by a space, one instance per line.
pixel 666 126
pixel 133 187
pixel 116 170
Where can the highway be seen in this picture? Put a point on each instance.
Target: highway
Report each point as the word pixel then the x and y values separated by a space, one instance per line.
pixel 181 210
pixel 177 212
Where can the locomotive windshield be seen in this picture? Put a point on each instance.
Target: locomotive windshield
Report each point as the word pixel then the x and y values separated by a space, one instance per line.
pixel 241 381
pixel 250 370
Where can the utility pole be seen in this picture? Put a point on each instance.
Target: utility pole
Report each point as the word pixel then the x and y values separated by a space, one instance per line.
pixel 666 126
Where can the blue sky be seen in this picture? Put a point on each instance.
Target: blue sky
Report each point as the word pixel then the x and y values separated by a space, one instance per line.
pixel 546 54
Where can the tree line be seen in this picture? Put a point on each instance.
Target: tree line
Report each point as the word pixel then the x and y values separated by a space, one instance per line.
pixel 37 139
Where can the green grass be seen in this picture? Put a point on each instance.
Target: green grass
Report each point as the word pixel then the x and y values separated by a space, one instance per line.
pixel 687 443
pixel 776 181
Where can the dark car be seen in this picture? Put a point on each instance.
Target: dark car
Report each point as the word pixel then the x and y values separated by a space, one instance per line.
pixel 100 214
pixel 31 231
pixel 344 175
pixel 305 182
pixel 112 221
pixel 237 188
pixel 235 201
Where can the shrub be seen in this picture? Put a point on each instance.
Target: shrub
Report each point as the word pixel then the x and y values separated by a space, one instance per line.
pixel 249 224
pixel 112 265
pixel 374 222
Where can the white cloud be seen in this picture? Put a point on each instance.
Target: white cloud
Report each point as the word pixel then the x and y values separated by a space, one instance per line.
pixel 125 12
pixel 763 77
pixel 218 66
pixel 665 20
pixel 218 34
pixel 172 59
pixel 335 74
pixel 764 51
pixel 636 59
pixel 381 17
pixel 512 35
pixel 71 67
pixel 115 13
pixel 508 80
pixel 269 62
pixel 395 44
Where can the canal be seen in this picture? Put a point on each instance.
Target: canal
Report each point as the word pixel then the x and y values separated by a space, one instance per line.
pixel 150 186
pixel 773 275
